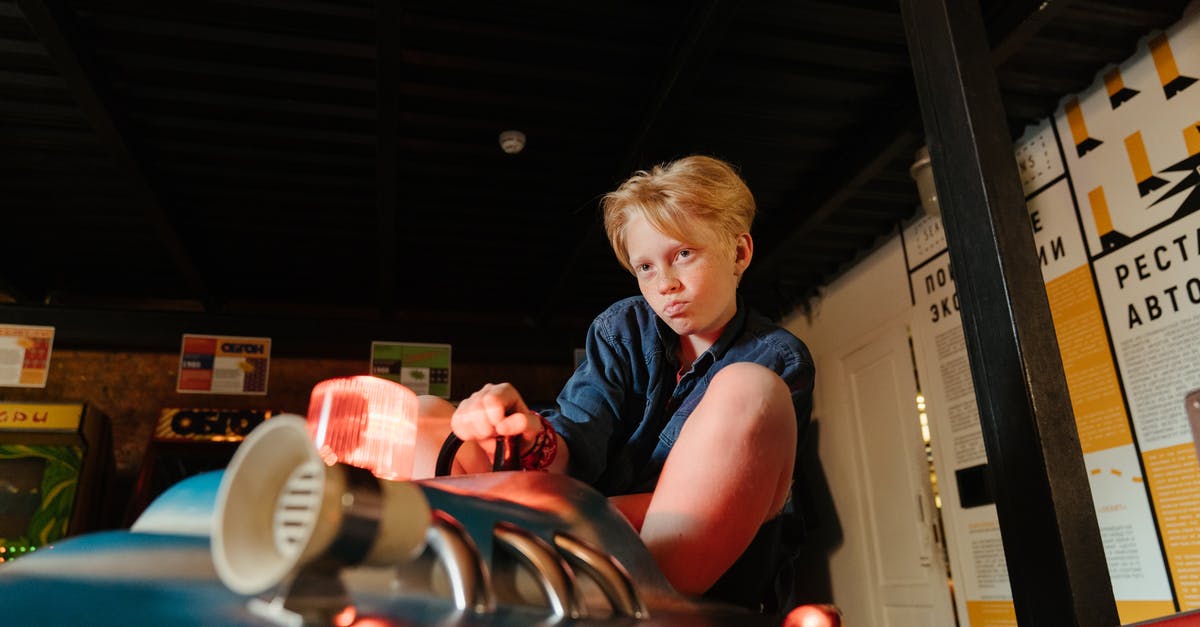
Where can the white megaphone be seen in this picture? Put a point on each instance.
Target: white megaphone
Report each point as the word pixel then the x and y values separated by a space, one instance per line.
pixel 289 518
pixel 280 508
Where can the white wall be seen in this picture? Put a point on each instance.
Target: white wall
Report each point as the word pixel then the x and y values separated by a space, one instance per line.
pixel 871 295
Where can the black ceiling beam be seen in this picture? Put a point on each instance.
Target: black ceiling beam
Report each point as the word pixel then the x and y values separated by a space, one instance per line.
pixel 1011 27
pixel 272 107
pixel 387 68
pixel 184 32
pixel 876 146
pixel 171 62
pixel 1052 543
pixel 55 26
pixel 705 30
pixel 18 294
pixel 1013 24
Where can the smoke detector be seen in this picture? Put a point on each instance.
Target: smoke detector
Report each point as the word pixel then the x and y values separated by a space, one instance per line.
pixel 512 141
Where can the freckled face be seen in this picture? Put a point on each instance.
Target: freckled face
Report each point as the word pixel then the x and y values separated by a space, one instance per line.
pixel 692 287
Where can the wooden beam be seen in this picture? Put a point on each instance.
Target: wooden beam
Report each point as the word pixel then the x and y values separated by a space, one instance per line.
pixel 1056 563
pixel 54 24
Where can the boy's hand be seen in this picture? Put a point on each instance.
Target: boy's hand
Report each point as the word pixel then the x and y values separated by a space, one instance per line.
pixel 494 410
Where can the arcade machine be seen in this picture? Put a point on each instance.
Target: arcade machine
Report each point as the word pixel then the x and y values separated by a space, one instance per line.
pixel 187 442
pixel 56 462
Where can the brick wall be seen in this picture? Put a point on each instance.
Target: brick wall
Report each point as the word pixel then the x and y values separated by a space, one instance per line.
pixel 132 387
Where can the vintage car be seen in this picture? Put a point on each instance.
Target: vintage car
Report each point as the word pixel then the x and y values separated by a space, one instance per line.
pixel 290 534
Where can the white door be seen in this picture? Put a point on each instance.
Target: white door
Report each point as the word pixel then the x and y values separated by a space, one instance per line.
pixel 906 568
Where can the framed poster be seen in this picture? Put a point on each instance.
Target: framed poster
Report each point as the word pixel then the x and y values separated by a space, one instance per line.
pixel 213 364
pixel 25 355
pixel 422 368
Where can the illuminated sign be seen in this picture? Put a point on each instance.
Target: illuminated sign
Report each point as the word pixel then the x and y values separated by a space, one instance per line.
pixel 40 417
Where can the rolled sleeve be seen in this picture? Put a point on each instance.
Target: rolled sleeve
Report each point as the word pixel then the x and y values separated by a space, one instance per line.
pixel 590 403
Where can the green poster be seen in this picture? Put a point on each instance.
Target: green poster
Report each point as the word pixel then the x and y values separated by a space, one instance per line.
pixel 422 368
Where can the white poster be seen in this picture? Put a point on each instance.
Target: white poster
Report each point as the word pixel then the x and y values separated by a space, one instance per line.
pixel 1131 546
pixel 1132 147
pixel 983 594
pixel 25 355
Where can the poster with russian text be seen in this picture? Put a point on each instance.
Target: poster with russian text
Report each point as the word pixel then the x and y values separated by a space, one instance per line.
pixel 1132 549
pixel 1131 145
pixel 1112 186
pixel 983 595
pixel 214 364
pixel 25 355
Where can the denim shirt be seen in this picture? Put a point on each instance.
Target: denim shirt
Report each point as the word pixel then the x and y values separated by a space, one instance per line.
pixel 622 410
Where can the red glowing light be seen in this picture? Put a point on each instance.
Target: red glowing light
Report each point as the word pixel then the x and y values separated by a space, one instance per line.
pixel 346 617
pixel 813 616
pixel 366 422
pixel 373 622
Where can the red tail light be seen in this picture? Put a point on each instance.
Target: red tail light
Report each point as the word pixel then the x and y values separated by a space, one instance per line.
pixel 366 422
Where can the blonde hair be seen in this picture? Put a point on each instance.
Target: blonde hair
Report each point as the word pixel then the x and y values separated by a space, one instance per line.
pixel 694 199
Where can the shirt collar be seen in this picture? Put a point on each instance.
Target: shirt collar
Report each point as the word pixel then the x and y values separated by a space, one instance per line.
pixel 732 330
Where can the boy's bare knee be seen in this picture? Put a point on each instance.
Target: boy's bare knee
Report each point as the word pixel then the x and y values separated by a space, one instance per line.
pixel 756 393
pixel 757 403
pixel 746 407
pixel 751 378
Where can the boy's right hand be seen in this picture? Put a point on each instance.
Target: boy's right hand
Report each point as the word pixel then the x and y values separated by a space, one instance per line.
pixel 494 410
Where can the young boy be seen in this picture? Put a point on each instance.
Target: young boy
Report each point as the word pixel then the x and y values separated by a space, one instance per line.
pixel 686 411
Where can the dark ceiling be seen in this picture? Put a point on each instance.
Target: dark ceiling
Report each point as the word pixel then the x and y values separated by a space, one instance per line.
pixel 333 166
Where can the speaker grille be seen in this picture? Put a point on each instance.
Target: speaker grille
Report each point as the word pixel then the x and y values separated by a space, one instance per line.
pixel 297 508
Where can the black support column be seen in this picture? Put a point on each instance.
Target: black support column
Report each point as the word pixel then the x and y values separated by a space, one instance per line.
pixel 1051 539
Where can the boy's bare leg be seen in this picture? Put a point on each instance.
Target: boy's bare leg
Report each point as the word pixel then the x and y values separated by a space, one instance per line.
pixel 633 507
pixel 433 425
pixel 730 471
